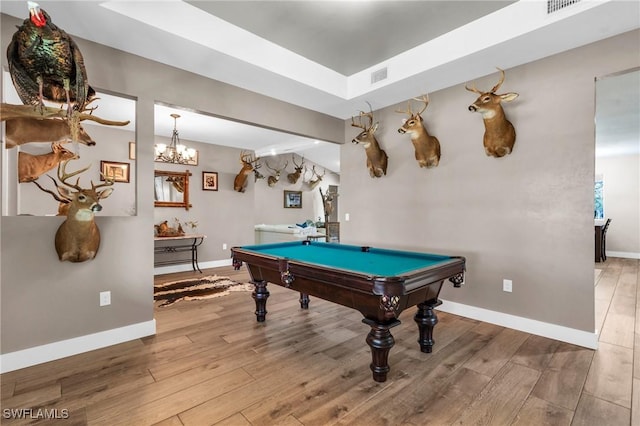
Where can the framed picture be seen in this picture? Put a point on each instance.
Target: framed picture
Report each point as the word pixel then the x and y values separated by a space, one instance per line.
pixel 292 199
pixel 209 181
pixel 132 150
pixel 119 172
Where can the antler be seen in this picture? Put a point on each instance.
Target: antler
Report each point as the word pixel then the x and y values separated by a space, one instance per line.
pixel 425 99
pixel 8 112
pixel 277 170
pixel 63 175
pixel 58 196
pixel 496 87
pixel 369 115
pixel 313 170
pixel 296 165
pixel 409 112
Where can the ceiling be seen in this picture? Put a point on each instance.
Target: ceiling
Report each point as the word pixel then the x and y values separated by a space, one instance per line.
pixel 322 55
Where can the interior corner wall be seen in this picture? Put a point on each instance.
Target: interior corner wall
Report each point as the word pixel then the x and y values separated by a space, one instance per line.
pixel 270 200
pixel 527 217
pixel 45 301
pixel 621 193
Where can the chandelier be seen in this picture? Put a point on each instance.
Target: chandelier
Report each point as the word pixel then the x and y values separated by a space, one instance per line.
pixel 175 152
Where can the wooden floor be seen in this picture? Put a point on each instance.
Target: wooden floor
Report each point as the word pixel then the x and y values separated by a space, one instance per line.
pixel 211 363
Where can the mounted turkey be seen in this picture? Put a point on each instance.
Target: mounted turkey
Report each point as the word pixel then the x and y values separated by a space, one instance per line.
pixel 45 63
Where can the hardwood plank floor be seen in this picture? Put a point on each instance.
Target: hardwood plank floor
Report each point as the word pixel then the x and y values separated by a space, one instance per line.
pixel 212 363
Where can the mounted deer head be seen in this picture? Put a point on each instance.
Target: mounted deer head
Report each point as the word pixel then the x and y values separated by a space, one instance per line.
pixel 27 124
pixel 273 179
pixel 426 147
pixel 377 159
pixel 78 237
pixel 499 134
pixel 31 167
pixel 256 173
pixel 25 130
pixel 318 178
pixel 293 177
pixel 249 164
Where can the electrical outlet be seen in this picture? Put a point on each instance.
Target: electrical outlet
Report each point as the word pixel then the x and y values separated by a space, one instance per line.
pixel 105 298
pixel 224 246
pixel 507 285
pixel 346 217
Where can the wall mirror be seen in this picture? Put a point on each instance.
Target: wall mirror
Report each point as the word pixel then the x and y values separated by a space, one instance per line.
pixel 99 144
pixel 171 189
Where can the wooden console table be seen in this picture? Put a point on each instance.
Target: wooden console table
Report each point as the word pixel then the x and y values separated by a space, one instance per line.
pixel 184 243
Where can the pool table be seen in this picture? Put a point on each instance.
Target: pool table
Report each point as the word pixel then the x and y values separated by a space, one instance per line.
pixel 380 283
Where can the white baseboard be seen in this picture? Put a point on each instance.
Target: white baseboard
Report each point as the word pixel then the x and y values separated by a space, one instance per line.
pixel 186 267
pixel 52 351
pixel 539 328
pixel 624 254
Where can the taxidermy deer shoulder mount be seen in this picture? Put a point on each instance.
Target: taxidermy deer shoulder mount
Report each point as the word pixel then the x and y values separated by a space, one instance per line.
pixel 499 134
pixel 248 166
pixel 30 166
pixel 78 237
pixel 293 177
pixel 427 147
pixel 377 159
pixel 273 179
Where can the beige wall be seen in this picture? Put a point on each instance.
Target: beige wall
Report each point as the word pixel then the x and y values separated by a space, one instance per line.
pixel 527 217
pixel 44 300
pixel 622 203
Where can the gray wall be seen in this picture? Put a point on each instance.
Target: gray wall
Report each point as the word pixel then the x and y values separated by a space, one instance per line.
pixel 622 202
pixel 527 217
pixel 44 300
pixel 270 200
pixel 112 145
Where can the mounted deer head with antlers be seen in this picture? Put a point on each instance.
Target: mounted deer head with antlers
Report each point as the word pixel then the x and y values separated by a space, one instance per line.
pixel 426 147
pixel 31 167
pixel 25 130
pixel 27 124
pixel 273 179
pixel 315 178
pixel 78 237
pixel 249 164
pixel 377 159
pixel 293 177
pixel 256 173
pixel 499 134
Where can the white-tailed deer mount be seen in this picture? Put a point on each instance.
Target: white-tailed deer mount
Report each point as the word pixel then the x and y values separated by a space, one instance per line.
pixel 256 173
pixel 25 130
pixel 249 164
pixel 78 237
pixel 377 159
pixel 499 134
pixel 426 147
pixel 315 178
pixel 31 167
pixel 293 177
pixel 40 118
pixel 273 179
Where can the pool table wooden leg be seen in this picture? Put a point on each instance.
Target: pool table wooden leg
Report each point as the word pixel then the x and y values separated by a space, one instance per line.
pixel 426 319
pixel 260 295
pixel 380 341
pixel 304 300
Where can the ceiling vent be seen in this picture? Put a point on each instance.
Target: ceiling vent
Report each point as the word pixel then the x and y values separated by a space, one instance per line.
pixel 556 5
pixel 379 75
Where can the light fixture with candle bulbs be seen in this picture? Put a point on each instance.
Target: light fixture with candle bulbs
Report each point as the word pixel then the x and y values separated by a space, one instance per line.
pixel 175 152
